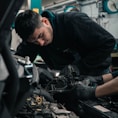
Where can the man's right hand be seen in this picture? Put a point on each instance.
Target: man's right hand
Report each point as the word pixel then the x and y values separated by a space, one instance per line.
pixel 81 91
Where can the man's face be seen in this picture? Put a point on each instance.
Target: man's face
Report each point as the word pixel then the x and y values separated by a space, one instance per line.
pixel 43 35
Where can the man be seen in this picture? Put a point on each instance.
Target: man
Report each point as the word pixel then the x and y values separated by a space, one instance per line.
pixel 67 38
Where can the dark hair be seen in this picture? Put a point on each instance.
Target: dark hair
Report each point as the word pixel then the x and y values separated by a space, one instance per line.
pixel 26 22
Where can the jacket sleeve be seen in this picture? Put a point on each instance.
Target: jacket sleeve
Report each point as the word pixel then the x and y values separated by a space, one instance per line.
pixel 25 49
pixel 97 43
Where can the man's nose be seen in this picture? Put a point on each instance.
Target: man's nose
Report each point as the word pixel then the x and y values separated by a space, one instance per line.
pixel 41 42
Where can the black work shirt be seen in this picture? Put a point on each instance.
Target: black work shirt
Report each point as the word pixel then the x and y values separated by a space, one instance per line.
pixel 76 39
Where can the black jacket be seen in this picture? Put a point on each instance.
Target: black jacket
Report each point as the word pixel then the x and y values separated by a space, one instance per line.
pixel 77 39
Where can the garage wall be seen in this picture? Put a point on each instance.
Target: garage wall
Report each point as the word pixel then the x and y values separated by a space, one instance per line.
pixel 106 20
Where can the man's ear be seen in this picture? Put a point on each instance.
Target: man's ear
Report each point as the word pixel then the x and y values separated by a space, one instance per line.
pixel 45 20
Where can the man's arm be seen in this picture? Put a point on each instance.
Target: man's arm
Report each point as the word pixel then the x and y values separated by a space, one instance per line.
pixel 108 88
pixel 27 49
pixel 109 76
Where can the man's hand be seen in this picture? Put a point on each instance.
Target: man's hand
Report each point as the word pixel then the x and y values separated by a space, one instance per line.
pixel 75 93
pixel 81 91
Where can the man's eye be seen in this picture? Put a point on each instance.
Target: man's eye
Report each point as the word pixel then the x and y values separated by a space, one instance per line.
pixel 40 36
